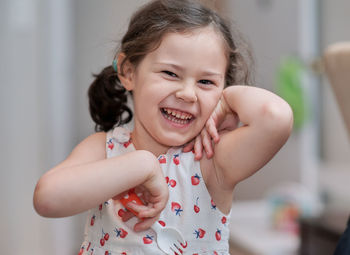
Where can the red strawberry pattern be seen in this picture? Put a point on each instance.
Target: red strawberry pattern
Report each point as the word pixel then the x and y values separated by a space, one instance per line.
pixel 104 239
pixel 176 207
pixel 92 221
pixel 123 233
pixel 172 183
pixel 127 144
pixel 148 239
pixel 162 223
pixel 188 203
pixel 218 235
pixel 176 159
pixel 196 207
pixel 223 220
pixel 110 144
pixel 120 232
pixel 162 159
pixel 195 179
pixel 213 205
pixel 199 233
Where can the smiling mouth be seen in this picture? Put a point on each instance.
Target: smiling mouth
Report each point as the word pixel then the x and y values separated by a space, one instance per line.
pixel 177 116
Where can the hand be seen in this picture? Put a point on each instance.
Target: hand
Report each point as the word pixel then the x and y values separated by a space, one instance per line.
pixel 222 120
pixel 154 196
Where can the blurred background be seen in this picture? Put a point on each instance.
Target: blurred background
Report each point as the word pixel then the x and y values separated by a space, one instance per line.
pixel 49 51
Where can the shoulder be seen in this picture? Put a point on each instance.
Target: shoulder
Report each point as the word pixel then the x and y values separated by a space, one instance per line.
pixel 95 143
pixel 92 148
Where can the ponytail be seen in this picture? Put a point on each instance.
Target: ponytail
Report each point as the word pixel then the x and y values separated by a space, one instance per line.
pixel 108 101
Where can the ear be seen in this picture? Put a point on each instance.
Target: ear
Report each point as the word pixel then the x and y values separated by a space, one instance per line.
pixel 125 72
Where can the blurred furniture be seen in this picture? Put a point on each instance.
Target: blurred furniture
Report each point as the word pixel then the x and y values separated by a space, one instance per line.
pixel 343 246
pixel 322 235
pixel 251 232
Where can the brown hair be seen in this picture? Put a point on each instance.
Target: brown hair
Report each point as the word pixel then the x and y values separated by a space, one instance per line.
pixel 147 27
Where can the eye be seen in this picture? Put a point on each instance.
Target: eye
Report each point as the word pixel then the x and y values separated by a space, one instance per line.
pixel 169 73
pixel 206 82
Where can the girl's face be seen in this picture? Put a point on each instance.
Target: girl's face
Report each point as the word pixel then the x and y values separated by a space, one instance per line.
pixel 177 86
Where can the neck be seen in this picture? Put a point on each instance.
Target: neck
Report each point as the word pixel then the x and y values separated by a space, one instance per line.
pixel 142 140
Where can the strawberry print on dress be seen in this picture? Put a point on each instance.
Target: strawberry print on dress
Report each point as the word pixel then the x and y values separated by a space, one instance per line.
pixel 195 179
pixel 190 209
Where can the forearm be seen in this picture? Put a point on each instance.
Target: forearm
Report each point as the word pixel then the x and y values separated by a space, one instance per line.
pixel 67 191
pixel 267 122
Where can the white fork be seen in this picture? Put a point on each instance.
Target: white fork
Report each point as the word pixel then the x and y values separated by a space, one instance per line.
pixel 169 239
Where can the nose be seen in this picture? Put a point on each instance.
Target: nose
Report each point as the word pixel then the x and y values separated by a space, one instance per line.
pixel 187 93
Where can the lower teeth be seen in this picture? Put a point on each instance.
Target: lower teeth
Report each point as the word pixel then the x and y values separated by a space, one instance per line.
pixel 176 120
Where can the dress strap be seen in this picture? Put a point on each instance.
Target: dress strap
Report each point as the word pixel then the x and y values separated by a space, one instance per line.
pixel 118 142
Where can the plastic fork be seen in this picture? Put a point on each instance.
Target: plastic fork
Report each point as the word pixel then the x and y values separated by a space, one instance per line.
pixel 169 239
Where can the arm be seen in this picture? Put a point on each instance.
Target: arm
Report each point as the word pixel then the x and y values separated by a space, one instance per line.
pixel 267 122
pixel 86 179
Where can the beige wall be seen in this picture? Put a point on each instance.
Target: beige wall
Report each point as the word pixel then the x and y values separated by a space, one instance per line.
pixel 99 26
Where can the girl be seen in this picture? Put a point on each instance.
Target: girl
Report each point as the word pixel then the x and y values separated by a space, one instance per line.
pixel 178 59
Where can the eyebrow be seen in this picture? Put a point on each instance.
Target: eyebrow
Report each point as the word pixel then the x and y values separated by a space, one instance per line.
pixel 177 67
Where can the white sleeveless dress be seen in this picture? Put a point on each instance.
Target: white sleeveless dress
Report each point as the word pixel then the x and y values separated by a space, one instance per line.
pixel 190 209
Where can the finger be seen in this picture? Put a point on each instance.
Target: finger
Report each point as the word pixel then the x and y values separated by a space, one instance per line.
pixel 189 146
pixel 212 130
pixel 119 196
pixel 207 145
pixel 136 208
pixel 145 224
pixel 151 212
pixel 198 148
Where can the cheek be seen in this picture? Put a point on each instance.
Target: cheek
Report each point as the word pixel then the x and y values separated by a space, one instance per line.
pixel 210 101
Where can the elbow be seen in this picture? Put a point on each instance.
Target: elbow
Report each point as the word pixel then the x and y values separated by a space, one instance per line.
pixel 42 202
pixel 278 118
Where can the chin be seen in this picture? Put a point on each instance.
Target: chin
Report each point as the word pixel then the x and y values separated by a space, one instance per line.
pixel 175 141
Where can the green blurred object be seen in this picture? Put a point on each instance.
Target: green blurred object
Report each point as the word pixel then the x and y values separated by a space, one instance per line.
pixel 289 87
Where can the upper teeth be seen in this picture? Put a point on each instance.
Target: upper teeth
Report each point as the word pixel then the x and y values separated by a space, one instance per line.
pixel 178 114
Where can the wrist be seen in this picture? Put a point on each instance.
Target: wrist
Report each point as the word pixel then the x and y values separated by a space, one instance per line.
pixel 150 164
pixel 154 181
